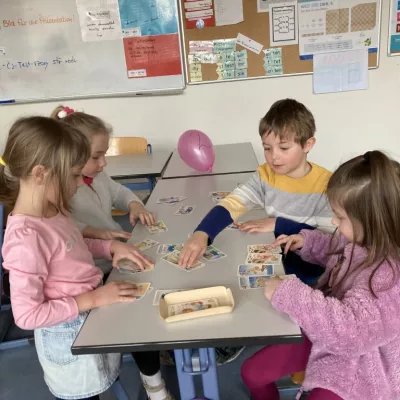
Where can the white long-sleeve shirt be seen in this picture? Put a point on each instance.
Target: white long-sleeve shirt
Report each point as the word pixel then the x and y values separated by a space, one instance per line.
pixel 91 206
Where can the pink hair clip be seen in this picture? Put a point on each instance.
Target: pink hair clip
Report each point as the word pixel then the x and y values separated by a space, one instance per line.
pixel 64 112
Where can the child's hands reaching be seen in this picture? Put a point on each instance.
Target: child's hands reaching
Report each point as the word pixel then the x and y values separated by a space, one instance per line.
pixel 121 250
pixel 193 249
pixel 292 242
pixel 111 235
pixel 258 225
pixel 270 286
pixel 137 211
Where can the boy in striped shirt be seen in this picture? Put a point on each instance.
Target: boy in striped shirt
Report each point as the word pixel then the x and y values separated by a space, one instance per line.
pixel 290 188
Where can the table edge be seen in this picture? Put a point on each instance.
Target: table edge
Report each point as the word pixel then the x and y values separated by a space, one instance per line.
pixel 207 174
pixel 154 346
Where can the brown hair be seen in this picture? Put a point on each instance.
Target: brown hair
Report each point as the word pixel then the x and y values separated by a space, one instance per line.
pixel 88 124
pixel 286 118
pixel 41 141
pixel 367 188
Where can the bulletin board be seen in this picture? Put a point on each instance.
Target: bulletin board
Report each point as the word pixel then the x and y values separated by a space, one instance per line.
pixel 347 24
pixel 82 48
pixel 394 29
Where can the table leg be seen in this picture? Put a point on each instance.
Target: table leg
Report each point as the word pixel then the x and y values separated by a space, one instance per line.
pixel 183 362
pixel 197 362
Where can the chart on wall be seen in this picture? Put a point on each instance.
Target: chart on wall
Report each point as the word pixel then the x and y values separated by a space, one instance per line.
pixel 394 28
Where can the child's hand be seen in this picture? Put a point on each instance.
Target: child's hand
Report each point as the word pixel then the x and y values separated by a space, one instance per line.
pixel 121 250
pixel 137 211
pixel 270 286
pixel 258 225
pixel 111 235
pixel 115 292
pixel 193 249
pixel 292 242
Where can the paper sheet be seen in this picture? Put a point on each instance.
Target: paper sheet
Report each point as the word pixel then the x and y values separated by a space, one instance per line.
pixel 156 17
pixel 263 5
pixel 273 61
pixel 228 12
pixel 249 44
pixel 199 14
pixel 283 24
pixel 99 22
pixel 340 72
pixel 332 26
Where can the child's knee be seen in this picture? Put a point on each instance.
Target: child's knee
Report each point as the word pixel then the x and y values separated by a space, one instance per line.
pixel 249 373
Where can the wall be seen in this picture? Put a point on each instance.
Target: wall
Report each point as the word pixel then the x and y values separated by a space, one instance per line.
pixel 347 123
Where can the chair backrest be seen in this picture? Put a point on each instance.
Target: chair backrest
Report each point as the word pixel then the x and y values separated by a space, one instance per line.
pixel 127 145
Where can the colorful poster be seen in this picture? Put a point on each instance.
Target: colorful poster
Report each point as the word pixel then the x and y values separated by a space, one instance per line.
pixel 394 28
pixel 147 18
pixel 327 26
pixel 152 56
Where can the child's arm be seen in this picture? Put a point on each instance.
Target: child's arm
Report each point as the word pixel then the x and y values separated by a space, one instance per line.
pixel 351 326
pixel 99 248
pixel 26 257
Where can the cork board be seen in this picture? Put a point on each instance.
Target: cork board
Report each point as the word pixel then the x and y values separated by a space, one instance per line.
pixel 256 27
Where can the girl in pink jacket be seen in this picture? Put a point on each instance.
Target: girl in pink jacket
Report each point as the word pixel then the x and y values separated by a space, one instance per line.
pixel 351 320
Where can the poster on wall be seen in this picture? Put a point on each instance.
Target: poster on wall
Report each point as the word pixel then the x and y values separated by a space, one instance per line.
pixel 394 28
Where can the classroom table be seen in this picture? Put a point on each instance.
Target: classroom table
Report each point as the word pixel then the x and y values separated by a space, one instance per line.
pixel 233 158
pixel 140 165
pixel 138 327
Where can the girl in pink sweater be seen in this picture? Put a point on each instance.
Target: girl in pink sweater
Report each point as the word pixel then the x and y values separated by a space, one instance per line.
pixel 54 282
pixel 351 320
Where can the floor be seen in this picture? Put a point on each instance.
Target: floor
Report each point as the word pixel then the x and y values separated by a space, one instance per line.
pixel 21 378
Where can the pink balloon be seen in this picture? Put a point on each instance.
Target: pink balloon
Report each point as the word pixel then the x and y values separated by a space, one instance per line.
pixel 196 150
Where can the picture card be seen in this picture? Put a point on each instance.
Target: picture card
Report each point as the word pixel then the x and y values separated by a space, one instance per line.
pixel 263 248
pixel 146 244
pixel 252 270
pixel 213 254
pixel 161 293
pixel 192 306
pixel 157 227
pixel 263 258
pixel 128 266
pixel 169 248
pixel 244 283
pixel 185 210
pixel 170 200
pixel 142 289
pixel 172 258
pixel 258 282
pixel 233 227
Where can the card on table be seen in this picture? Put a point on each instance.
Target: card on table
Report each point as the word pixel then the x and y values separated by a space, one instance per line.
pixel 142 289
pixel 263 248
pixel 161 293
pixel 192 306
pixel 146 244
pixel 233 227
pixel 169 248
pixel 222 195
pixel 258 282
pixel 213 254
pixel 171 200
pixel 244 283
pixel 128 266
pixel 172 258
pixel 263 258
pixel 157 227
pixel 251 270
pixel 185 210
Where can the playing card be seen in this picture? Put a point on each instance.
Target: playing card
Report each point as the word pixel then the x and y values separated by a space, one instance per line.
pixel 185 210
pixel 146 244
pixel 142 289
pixel 157 227
pixel 161 293
pixel 258 282
pixel 263 248
pixel 263 258
pixel 222 195
pixel 171 200
pixel 192 306
pixel 213 254
pixel 128 266
pixel 172 258
pixel 217 199
pixel 169 248
pixel 233 227
pixel 251 270
pixel 244 283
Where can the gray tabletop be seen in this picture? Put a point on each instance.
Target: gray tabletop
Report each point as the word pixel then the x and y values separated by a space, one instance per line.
pixel 229 159
pixel 138 326
pixel 137 165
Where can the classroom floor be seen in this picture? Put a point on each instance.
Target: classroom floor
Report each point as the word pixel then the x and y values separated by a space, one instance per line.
pixel 21 378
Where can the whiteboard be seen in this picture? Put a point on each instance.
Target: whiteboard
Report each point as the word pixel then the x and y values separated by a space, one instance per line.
pixel 43 56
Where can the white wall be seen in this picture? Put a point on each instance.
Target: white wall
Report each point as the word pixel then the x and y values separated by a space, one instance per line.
pixel 347 123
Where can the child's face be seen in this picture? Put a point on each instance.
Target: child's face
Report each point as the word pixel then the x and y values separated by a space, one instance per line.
pixel 286 157
pixel 97 160
pixel 342 221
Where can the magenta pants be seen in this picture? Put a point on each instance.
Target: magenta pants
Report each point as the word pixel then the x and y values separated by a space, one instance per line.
pixel 261 370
